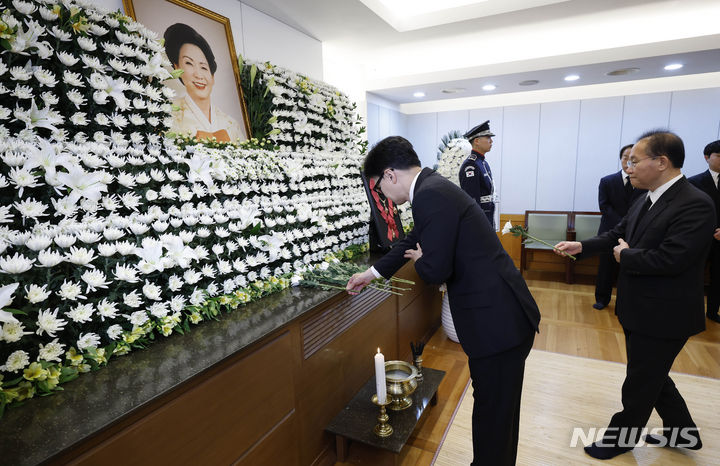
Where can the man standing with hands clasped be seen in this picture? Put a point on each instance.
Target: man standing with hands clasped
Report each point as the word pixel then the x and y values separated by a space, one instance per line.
pixel 661 245
pixel 494 313
pixel 475 174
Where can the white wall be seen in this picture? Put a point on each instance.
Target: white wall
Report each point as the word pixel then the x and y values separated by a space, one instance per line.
pixel 551 155
pixel 261 37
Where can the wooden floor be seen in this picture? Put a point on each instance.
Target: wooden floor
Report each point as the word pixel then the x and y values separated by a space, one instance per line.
pixel 569 326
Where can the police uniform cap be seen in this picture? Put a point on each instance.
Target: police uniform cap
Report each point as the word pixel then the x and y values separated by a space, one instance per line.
pixel 482 129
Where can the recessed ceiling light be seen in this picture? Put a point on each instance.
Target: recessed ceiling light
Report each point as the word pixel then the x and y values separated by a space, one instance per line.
pixel 673 66
pixel 622 71
pixel 453 90
pixel 419 94
pixel 572 77
pixel 489 87
pixel 528 82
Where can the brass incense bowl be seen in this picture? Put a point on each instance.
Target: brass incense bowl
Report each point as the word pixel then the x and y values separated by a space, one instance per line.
pixel 400 377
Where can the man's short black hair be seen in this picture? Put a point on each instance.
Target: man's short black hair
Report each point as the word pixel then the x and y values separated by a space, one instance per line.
pixel 180 34
pixel 392 152
pixel 663 142
pixel 624 148
pixel 712 148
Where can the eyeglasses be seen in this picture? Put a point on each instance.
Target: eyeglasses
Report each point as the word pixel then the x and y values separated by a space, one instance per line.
pixel 377 188
pixel 633 164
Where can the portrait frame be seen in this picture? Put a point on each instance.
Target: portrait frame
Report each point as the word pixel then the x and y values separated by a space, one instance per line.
pixel 385 225
pixel 212 26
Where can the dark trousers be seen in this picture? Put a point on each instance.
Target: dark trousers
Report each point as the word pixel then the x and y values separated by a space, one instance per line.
pixel 606 276
pixel 497 387
pixel 647 386
pixel 713 294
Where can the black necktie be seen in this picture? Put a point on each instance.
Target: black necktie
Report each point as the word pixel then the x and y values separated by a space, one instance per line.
pixel 628 189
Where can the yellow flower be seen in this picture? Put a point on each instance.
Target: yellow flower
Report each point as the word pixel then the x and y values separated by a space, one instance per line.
pixel 100 356
pixel 121 350
pixel 56 9
pixel 195 317
pixel 53 378
pixel 23 391
pixel 73 356
pixel 166 329
pixel 224 300
pixel 35 372
pixel 84 368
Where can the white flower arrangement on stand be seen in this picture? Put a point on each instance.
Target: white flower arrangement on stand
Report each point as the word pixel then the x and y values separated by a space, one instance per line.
pixel 451 156
pixel 112 235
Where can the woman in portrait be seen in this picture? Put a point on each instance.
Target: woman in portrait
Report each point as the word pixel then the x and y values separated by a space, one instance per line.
pixel 197 114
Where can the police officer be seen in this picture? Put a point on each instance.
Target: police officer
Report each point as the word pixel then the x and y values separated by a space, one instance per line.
pixel 475 175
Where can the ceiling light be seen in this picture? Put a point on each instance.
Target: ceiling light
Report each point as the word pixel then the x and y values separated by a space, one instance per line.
pixel 572 77
pixel 419 94
pixel 673 66
pixel 488 87
pixel 622 71
pixel 453 90
pixel 528 82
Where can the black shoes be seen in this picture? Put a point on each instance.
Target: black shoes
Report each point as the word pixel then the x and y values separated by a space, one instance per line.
pixel 605 452
pixel 599 306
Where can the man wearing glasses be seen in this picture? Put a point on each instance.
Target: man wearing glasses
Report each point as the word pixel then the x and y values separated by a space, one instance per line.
pixel 661 245
pixel 494 313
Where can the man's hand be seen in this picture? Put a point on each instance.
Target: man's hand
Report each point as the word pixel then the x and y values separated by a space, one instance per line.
pixel 716 235
pixel 414 254
pixel 359 281
pixel 618 249
pixel 570 247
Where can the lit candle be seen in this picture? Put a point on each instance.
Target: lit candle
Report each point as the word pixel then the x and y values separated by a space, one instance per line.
pixel 380 377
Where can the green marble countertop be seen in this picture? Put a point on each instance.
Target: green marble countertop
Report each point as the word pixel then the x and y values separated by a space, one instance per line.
pixel 44 427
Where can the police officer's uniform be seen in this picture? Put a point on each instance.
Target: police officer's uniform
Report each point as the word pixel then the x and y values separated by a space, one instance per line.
pixel 476 176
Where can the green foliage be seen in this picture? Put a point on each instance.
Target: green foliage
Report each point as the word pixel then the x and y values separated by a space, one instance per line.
pixel 258 101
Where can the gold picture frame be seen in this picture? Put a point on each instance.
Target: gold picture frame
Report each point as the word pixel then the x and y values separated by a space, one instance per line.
pixel 195 107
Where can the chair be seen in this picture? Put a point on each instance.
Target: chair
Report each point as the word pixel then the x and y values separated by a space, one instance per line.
pixel 585 225
pixel 549 226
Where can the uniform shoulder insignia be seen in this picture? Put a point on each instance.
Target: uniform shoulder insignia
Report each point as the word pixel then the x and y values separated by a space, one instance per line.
pixel 469 171
pixel 472 157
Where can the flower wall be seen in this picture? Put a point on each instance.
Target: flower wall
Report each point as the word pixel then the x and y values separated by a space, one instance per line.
pixel 112 235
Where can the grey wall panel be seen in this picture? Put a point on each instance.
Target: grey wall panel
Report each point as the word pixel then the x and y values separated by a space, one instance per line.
pixel 521 125
pixel 557 153
pixel 644 112
pixel 422 129
pixel 398 124
pixel 599 143
pixel 373 119
pixel 695 117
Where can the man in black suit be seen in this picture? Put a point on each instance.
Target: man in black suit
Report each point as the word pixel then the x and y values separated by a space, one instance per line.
pixel 661 245
pixel 494 313
pixel 708 182
pixel 615 195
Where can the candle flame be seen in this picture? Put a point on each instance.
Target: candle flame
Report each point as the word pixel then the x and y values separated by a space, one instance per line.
pixel 378 349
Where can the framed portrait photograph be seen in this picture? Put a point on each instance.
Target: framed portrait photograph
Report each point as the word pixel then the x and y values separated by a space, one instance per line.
pixel 209 101
pixel 385 226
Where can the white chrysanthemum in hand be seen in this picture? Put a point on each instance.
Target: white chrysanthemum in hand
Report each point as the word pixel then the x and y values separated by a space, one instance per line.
pixel 88 340
pixel 16 264
pixel 16 361
pixel 36 294
pixel 94 279
pixel 81 313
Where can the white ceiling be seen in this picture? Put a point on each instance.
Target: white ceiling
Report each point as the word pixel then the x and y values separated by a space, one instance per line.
pixel 546 42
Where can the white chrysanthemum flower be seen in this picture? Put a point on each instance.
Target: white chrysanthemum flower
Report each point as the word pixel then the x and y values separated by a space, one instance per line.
pixel 79 119
pixel 158 310
pixel 197 297
pixel 45 77
pixel 23 178
pixel 12 331
pixel 94 279
pixel 125 248
pixel 80 256
pixel 88 237
pixel 81 313
pixel 107 309
pixel 152 291
pixel 19 73
pixel 51 352
pixel 16 264
pixel 86 43
pixel 36 294
pixel 88 340
pixel 65 241
pixel 48 258
pixel 131 201
pixel 112 234
pixel 48 14
pixel 192 276
pixel 38 242
pixel 132 299
pixel 175 283
pixel 114 332
pixel 70 291
pixel 67 59
pixel 97 30
pixel 59 34
pixel 73 79
pixel 138 318
pixel 16 361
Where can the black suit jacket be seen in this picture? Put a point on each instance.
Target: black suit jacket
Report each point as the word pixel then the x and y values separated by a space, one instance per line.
pixel 613 200
pixel 491 305
pixel 704 181
pixel 660 284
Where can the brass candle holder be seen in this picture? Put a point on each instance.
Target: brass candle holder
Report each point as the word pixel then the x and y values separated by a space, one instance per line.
pixel 400 377
pixel 382 428
pixel 417 362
